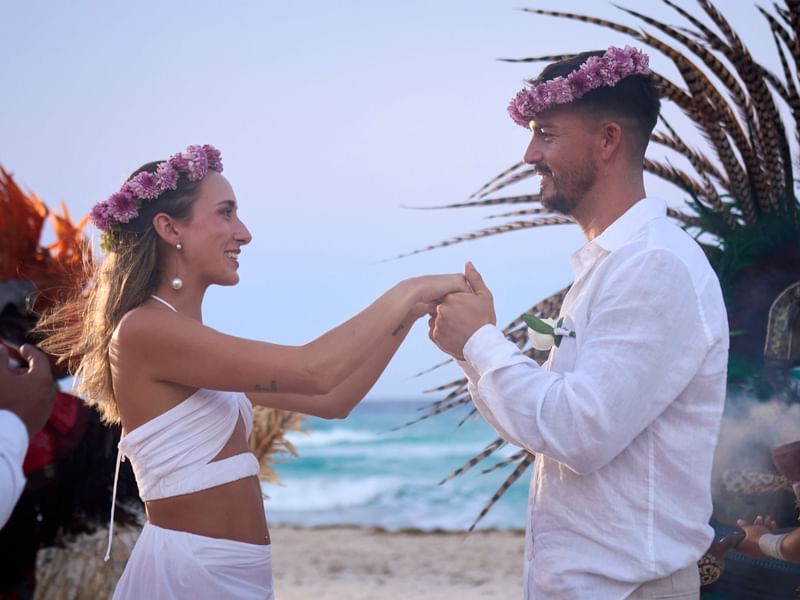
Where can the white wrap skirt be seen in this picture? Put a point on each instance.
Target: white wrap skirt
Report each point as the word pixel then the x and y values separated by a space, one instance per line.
pixel 175 565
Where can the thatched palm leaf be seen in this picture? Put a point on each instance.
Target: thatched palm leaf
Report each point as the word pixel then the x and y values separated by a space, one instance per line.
pixel 509 180
pixel 461 399
pixel 525 212
pixel 504 463
pixel 434 367
pixel 267 439
pixel 687 220
pixel 749 149
pixel 487 202
pixel 776 148
pixel 699 161
pixel 526 460
pixel 508 171
pixel 505 228
pixel 788 92
pixel 675 176
pixel 444 387
pixel 482 455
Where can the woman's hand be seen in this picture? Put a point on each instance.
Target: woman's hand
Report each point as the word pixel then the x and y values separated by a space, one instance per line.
pixel 431 289
pixel 753 531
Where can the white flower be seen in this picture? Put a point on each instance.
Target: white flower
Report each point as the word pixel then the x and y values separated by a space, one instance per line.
pixel 543 334
pixel 542 341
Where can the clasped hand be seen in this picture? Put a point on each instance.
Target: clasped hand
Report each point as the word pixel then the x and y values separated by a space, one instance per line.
pixel 461 314
pixel 27 392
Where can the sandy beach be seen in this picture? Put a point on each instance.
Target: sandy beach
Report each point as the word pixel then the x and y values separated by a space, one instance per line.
pixel 324 563
pixel 350 563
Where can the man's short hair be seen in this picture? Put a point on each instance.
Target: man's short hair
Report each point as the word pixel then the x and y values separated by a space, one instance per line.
pixel 634 100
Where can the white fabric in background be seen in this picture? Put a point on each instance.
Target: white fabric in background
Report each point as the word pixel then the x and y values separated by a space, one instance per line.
pixel 13 447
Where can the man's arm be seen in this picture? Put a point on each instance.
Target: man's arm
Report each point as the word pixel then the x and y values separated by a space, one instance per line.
pixel 643 343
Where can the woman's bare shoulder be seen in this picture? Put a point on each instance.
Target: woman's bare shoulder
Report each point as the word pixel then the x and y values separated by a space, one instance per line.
pixel 140 327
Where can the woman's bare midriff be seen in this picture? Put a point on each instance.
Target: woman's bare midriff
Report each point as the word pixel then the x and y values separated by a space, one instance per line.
pixel 233 511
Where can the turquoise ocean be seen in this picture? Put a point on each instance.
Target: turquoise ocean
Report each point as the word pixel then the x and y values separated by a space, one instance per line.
pixel 358 471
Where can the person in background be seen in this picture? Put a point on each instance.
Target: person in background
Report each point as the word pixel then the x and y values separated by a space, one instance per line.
pixel 26 398
pixel 761 541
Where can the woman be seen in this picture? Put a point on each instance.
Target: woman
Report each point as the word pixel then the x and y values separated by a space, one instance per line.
pixel 183 391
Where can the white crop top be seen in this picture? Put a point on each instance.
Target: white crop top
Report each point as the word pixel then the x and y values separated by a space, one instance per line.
pixel 173 453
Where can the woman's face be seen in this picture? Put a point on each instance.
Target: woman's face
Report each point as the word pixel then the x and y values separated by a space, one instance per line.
pixel 213 236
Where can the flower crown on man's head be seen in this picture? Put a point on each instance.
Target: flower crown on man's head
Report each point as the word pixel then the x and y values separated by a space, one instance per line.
pixel 598 71
pixel 123 206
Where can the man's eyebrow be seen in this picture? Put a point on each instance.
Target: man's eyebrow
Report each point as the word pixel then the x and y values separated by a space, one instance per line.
pixel 230 203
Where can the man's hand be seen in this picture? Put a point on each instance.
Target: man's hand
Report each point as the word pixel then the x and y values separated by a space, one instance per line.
pixel 461 314
pixel 28 393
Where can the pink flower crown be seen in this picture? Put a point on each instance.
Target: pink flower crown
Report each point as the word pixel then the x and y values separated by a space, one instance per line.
pixel 598 71
pixel 123 206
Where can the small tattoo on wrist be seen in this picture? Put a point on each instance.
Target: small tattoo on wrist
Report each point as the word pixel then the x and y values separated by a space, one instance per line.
pixel 398 329
pixel 273 387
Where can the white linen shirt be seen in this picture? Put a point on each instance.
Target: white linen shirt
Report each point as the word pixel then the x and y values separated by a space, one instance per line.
pixel 624 417
pixel 13 447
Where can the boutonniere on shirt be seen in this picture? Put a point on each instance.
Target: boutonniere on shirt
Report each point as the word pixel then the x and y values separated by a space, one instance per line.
pixel 543 333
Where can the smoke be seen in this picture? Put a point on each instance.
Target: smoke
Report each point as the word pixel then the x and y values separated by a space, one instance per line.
pixel 750 430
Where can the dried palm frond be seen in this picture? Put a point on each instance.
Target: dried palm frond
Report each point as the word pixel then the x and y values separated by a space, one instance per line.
pixel 268 438
pixel 521 467
pixel 489 231
pixel 484 454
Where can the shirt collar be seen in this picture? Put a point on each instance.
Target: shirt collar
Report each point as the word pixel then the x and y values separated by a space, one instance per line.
pixel 630 222
pixel 619 232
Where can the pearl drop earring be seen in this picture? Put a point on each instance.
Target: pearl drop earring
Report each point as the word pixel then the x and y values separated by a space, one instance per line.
pixel 177 282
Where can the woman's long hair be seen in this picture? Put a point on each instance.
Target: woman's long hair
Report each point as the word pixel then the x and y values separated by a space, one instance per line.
pixel 80 330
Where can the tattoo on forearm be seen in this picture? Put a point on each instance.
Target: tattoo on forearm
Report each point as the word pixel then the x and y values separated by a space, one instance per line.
pixel 398 329
pixel 273 387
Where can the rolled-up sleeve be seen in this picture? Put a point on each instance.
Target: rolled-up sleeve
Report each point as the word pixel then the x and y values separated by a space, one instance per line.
pixel 13 446
pixel 643 341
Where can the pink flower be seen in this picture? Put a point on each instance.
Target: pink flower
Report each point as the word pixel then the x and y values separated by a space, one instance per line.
pixel 214 158
pixel 99 216
pixel 122 206
pixel 143 185
pixel 196 163
pixel 597 71
pixel 166 176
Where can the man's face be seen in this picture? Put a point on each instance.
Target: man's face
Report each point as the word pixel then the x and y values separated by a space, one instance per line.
pixel 561 150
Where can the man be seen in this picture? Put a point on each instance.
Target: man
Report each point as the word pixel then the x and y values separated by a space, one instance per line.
pixel 26 397
pixel 625 414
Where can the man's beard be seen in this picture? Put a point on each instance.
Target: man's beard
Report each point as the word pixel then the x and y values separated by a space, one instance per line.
pixel 570 188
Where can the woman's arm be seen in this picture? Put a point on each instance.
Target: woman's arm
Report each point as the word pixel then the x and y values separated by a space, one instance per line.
pixel 338 403
pixel 174 348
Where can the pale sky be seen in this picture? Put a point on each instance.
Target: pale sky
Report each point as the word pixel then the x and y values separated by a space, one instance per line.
pixel 330 117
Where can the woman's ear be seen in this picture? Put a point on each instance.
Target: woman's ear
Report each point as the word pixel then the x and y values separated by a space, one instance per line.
pixel 165 227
